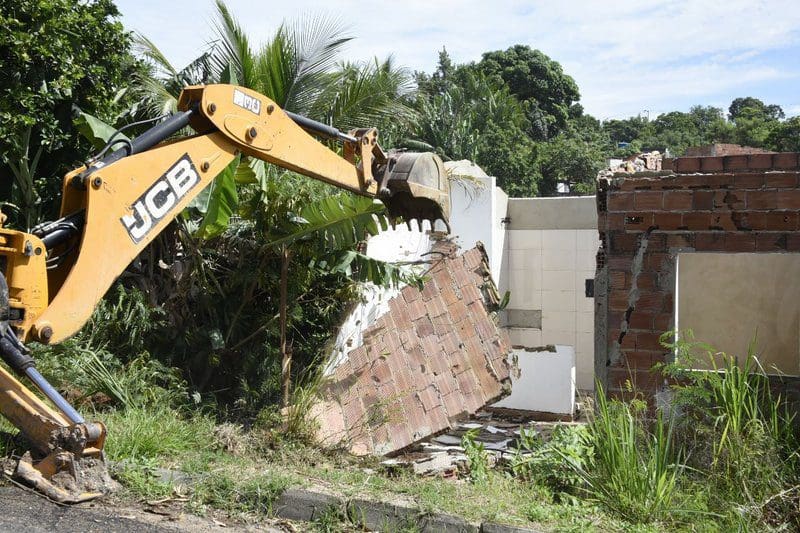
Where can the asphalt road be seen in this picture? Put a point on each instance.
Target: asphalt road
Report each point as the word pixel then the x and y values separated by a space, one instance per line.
pixel 22 511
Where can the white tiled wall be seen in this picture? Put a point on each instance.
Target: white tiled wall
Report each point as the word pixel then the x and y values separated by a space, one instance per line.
pixel 547 270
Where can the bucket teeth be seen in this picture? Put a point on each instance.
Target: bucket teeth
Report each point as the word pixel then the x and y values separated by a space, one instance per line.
pixel 418 223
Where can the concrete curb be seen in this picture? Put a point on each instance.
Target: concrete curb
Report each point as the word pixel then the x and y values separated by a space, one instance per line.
pixel 307 505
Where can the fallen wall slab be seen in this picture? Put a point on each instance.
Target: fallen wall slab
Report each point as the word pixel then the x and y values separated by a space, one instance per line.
pixel 436 356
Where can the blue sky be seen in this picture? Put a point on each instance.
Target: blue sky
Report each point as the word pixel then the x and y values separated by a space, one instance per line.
pixel 628 57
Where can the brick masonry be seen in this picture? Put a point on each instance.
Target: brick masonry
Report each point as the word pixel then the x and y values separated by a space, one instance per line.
pixel 436 356
pixel 734 203
pixel 721 149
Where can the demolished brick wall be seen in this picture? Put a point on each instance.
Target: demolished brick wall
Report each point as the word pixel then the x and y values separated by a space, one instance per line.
pixel 722 149
pixel 740 203
pixel 436 356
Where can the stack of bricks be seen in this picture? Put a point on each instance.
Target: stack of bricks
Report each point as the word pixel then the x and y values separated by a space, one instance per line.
pixel 739 203
pixel 435 357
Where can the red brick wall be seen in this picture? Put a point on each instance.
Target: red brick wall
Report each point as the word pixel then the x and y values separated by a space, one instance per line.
pixel 739 203
pixel 724 149
pixel 436 356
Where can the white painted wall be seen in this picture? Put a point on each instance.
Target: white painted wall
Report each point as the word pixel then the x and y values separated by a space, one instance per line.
pixel 546 270
pixel 478 207
pixel 475 205
pixel 497 252
pixel 546 382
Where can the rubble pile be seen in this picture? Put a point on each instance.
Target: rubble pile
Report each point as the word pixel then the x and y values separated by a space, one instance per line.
pixel 443 455
pixel 648 161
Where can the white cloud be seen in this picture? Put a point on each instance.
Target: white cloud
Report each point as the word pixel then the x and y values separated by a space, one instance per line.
pixel 624 55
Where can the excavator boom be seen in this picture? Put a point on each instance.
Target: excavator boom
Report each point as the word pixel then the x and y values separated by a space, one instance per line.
pixel 112 208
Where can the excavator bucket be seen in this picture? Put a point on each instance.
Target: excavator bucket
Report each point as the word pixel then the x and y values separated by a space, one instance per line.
pixel 415 186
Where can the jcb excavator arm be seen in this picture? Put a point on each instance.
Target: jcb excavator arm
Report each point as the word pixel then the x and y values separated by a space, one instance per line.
pixel 115 206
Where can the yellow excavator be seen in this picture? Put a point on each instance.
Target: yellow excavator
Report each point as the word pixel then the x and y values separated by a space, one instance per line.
pixel 116 204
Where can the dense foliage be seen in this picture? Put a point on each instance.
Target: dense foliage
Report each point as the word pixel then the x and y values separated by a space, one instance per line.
pixel 516 113
pixel 259 231
pixel 538 83
pixel 55 56
pixel 749 122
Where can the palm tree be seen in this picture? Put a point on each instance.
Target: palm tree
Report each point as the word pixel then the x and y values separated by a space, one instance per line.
pixel 158 89
pixel 297 68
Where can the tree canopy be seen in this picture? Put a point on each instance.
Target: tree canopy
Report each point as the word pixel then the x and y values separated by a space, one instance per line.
pixel 539 83
pixel 55 56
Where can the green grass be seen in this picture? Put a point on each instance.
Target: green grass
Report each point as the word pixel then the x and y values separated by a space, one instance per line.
pixel 728 462
pixel 499 498
pixel 234 493
pixel 141 478
pixel 156 432
pixel 247 483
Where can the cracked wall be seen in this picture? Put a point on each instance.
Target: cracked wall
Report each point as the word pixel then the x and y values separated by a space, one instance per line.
pixel 731 204
pixel 436 356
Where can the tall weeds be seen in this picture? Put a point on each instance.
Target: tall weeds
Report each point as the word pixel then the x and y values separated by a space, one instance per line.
pixel 740 437
pixel 635 469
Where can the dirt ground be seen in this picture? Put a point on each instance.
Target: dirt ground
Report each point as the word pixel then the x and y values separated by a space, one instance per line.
pixel 23 510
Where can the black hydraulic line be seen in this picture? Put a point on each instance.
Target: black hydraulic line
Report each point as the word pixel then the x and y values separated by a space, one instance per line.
pixel 114 140
pixel 62 230
pixel 319 128
pixel 145 141
pixel 151 137
pixel 16 356
pixel 178 121
pixel 4 305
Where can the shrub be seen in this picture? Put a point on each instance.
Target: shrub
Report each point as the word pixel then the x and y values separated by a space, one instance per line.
pixel 477 458
pixel 739 437
pixel 94 376
pixel 156 431
pixel 554 463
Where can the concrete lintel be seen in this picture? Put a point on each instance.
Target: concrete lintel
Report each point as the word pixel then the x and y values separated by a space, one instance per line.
pixel 572 212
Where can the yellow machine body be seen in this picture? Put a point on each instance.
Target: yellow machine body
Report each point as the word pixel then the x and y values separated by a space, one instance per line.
pixel 119 204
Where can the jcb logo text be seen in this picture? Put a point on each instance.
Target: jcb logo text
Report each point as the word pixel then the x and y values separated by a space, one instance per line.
pixel 159 199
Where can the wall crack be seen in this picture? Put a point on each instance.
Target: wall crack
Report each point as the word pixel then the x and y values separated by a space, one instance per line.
pixel 633 295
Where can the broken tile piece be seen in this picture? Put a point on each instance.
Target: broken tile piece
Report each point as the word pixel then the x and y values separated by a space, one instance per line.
pixel 447 440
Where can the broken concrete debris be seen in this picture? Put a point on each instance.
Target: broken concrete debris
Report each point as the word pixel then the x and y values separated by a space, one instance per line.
pixel 443 455
pixel 437 356
pixel 648 161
